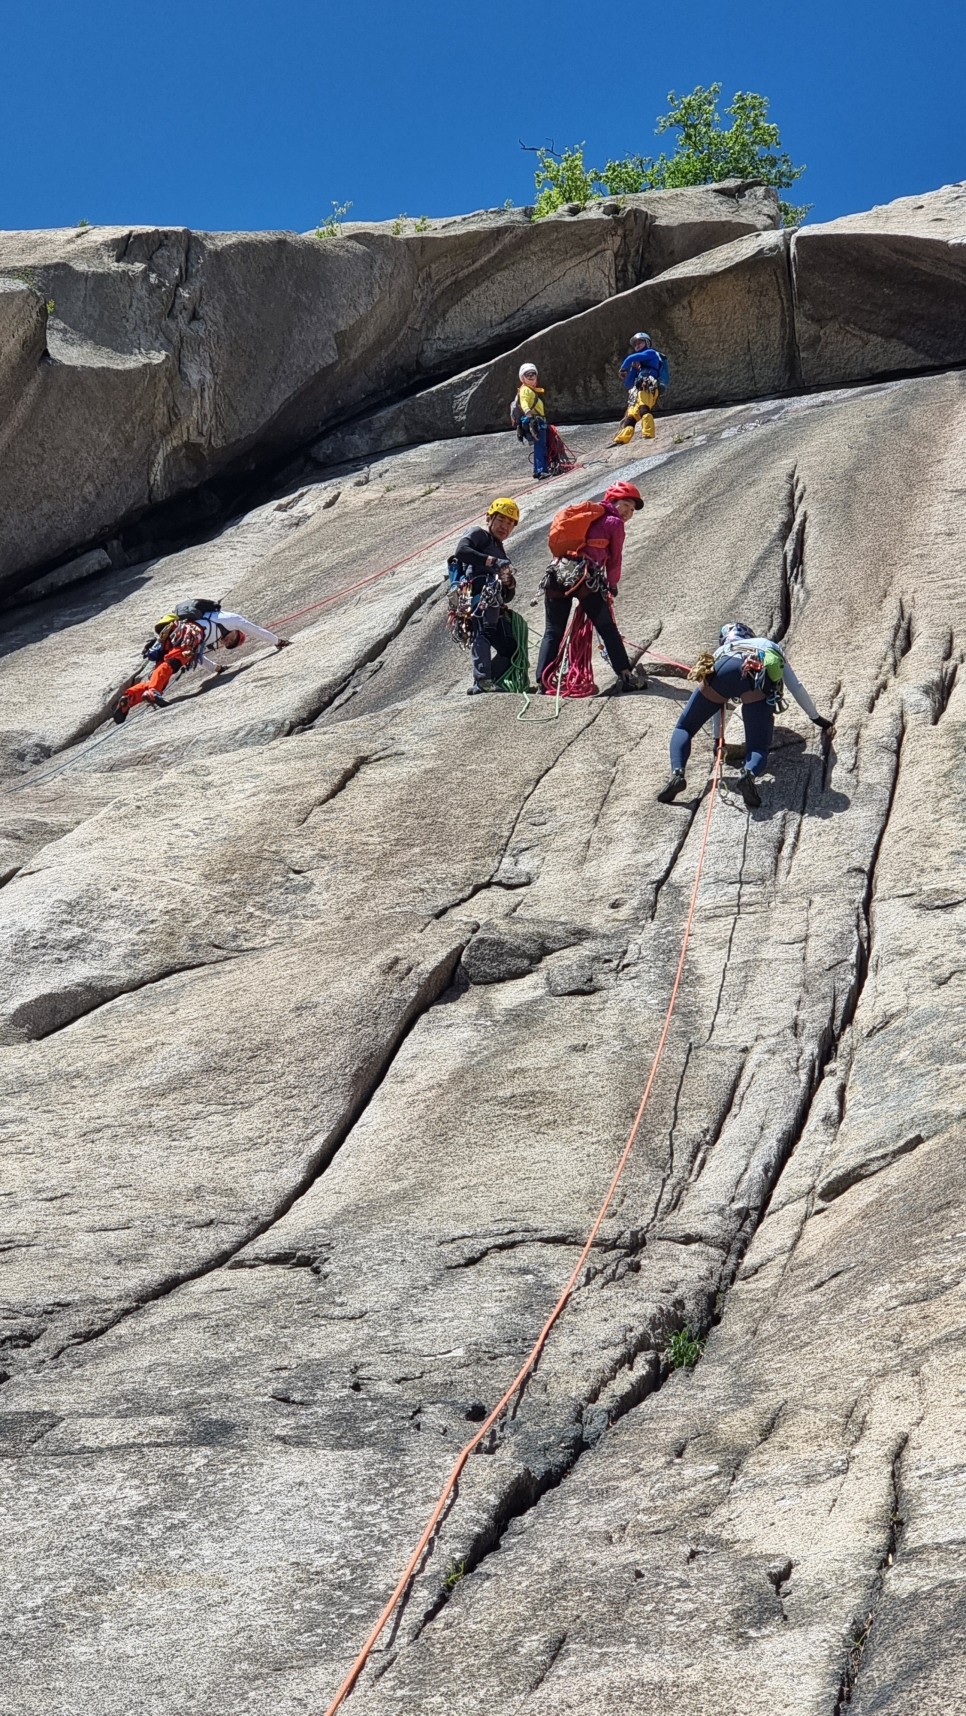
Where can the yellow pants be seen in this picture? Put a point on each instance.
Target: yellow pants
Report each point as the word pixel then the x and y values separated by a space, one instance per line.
pixel 639 408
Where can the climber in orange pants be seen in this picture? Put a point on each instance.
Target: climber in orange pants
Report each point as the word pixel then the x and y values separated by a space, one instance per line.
pixel 183 647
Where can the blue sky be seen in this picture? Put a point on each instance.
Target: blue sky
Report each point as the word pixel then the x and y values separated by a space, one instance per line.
pixel 245 114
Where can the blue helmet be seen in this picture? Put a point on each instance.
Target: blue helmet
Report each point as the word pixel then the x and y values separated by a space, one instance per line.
pixel 733 630
pixel 642 341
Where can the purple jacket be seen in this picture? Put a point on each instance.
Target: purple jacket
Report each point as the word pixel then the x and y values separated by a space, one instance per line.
pixel 605 543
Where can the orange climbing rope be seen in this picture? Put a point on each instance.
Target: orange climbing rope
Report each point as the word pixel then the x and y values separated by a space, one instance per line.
pixel 531 1360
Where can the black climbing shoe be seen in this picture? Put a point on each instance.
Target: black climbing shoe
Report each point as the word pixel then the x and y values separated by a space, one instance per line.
pixel 675 785
pixel 479 686
pixel 120 710
pixel 155 700
pixel 634 680
pixel 748 789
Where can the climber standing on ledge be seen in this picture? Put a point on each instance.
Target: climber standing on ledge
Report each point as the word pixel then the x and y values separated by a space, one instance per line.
pixel 533 418
pixel 181 642
pixel 753 672
pixel 644 373
pixel 589 567
pixel 482 583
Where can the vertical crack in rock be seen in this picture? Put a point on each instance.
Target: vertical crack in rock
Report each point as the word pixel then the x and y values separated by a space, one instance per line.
pixel 862 1625
pixel 676 851
pixel 792 586
pixel 370 1078
pixel 898 647
pixel 940 689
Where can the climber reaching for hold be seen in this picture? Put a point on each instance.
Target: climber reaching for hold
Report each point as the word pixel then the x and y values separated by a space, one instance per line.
pixel 482 584
pixel 587 542
pixel 752 671
pixel 181 642
pixel 644 373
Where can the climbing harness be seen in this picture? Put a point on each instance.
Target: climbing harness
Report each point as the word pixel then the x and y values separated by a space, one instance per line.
pixel 532 1358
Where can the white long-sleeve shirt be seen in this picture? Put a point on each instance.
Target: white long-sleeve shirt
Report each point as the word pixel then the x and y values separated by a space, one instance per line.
pixel 233 623
pixel 757 646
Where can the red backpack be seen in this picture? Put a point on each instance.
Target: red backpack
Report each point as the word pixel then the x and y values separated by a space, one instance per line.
pixel 570 527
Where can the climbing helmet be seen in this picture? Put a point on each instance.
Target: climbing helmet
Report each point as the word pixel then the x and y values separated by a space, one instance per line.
pixel 506 507
pixel 624 491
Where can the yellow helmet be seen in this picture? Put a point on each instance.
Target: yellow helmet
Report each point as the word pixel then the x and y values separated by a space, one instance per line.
pixel 508 508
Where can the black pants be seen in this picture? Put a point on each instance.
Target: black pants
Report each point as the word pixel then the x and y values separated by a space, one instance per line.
pixel 492 645
pixel 597 609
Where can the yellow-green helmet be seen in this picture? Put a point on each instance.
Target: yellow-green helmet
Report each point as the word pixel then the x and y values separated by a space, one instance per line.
pixel 506 507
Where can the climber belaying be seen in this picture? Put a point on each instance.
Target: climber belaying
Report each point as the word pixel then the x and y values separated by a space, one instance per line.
pixel 482 585
pixel 752 671
pixel 587 544
pixel 644 372
pixel 181 642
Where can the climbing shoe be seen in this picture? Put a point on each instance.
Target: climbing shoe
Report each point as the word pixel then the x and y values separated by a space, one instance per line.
pixel 155 699
pixel 120 710
pixel 647 426
pixel 634 680
pixel 624 434
pixel 479 686
pixel 675 785
pixel 748 789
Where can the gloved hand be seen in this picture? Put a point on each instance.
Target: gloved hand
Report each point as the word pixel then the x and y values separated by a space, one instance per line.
pixel 823 723
pixel 283 643
pixel 612 591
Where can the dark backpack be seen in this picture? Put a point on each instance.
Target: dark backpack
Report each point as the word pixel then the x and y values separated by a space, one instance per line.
pixel 197 611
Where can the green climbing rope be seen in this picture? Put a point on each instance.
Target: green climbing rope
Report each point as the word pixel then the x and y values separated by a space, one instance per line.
pixel 517 676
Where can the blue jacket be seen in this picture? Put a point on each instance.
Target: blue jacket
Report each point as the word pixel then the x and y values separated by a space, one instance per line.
pixel 640 364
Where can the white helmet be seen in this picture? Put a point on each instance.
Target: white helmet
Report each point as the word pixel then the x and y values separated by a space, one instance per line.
pixel 527 369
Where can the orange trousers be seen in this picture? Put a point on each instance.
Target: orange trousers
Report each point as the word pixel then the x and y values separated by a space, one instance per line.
pixel 173 661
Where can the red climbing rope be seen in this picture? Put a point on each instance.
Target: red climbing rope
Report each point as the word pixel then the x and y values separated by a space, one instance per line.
pixel 383 572
pixel 579 679
pixel 370 578
pixel 541 1340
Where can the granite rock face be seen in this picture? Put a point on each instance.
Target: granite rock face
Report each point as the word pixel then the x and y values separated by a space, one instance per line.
pixel 870 295
pixel 884 291
pixel 332 994
pixel 725 316
pixel 136 364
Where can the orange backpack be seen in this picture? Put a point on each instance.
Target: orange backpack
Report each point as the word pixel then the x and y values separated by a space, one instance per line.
pixel 570 527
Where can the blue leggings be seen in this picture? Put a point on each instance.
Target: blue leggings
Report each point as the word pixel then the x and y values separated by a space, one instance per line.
pixel 535 429
pixel 699 710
